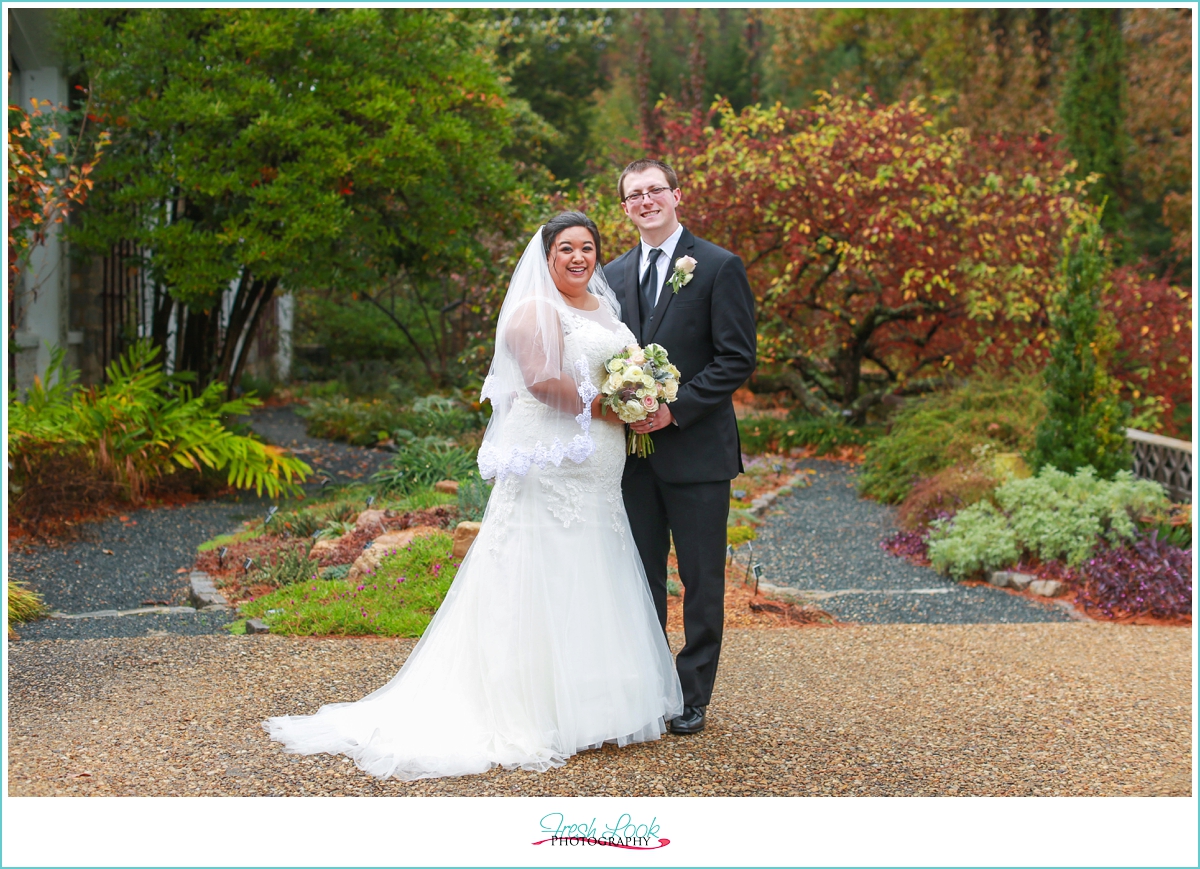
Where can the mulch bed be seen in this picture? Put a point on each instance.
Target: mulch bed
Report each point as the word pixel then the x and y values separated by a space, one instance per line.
pixel 745 609
pixel 229 573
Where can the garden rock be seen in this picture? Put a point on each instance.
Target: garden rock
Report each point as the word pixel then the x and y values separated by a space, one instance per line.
pixel 1010 579
pixel 370 520
pixel 1047 587
pixel 325 544
pixel 257 626
pixel 450 487
pixel 464 535
pixel 368 562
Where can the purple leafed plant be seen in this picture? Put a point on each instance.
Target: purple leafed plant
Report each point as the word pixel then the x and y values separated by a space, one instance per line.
pixel 1148 578
pixel 907 544
pixel 913 545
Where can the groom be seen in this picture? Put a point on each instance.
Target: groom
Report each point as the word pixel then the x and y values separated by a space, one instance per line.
pixel 705 320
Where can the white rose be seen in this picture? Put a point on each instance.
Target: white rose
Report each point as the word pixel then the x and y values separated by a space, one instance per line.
pixel 633 411
pixel 638 357
pixel 685 264
pixel 615 365
pixel 633 374
pixel 670 389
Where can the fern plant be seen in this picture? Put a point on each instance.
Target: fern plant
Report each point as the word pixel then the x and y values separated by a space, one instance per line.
pixel 140 425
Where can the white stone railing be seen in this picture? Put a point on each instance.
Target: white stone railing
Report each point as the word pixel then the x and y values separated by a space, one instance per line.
pixel 1165 460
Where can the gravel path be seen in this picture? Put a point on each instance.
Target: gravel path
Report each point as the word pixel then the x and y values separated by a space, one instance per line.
pixel 824 539
pixel 889 710
pixel 130 561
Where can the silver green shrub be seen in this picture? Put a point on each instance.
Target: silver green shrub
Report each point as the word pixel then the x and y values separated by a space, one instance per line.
pixel 1055 516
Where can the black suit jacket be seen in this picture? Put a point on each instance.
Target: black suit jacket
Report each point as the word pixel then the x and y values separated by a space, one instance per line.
pixel 708 331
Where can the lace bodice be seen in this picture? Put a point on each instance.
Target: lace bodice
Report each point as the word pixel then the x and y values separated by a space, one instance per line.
pixel 589 462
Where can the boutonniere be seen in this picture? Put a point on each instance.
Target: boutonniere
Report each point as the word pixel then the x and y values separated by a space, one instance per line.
pixel 682 276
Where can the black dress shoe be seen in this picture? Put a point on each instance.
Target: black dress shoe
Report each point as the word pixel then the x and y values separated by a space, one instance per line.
pixel 691 721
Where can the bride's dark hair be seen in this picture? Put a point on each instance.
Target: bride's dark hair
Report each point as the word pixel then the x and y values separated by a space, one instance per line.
pixel 566 220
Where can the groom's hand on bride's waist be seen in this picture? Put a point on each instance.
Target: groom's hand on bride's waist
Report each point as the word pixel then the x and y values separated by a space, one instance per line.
pixel 653 422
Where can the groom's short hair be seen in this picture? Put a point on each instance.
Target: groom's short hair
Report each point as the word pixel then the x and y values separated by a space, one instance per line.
pixel 642 166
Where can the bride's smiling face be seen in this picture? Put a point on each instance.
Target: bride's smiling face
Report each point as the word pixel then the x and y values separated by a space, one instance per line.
pixel 573 260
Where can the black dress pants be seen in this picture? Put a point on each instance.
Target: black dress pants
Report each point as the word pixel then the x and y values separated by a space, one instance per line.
pixel 694 514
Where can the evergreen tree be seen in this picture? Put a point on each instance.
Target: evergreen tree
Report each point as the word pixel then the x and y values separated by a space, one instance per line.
pixel 1092 106
pixel 1085 421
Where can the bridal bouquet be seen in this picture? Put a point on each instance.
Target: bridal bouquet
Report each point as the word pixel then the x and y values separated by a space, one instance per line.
pixel 639 379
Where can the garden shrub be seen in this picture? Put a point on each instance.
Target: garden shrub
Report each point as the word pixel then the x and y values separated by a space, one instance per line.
pixel 367 421
pixel 423 462
pixel 943 429
pixel 945 493
pixel 126 435
pixel 24 604
pixel 978 539
pixel 1149 577
pixel 285 566
pixel 1085 421
pixel 764 434
pixel 357 421
pixel 1053 516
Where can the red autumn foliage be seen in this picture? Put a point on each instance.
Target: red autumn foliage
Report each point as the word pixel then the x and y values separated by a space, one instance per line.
pixel 883 250
pixel 1153 359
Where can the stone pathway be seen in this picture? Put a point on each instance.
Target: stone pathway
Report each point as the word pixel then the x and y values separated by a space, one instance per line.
pixel 823 541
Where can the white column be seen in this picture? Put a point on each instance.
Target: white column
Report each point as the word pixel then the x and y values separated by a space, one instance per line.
pixel 286 308
pixel 42 299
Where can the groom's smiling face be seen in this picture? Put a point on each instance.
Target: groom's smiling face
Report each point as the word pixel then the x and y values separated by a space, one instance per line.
pixel 654 216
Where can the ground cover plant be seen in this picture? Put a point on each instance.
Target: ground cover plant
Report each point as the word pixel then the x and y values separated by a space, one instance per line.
pixel 945 428
pixel 1146 577
pixel 1054 516
pixel 122 439
pixel 398 601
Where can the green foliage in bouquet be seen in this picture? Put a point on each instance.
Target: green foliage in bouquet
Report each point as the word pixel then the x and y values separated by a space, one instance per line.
pixel 139 426
pixel 942 430
pixel 1085 421
pixel 1053 516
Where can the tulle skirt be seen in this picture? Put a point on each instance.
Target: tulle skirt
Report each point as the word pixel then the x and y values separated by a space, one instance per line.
pixel 546 644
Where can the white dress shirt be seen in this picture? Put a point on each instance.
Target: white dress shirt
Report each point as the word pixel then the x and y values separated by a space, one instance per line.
pixel 664 260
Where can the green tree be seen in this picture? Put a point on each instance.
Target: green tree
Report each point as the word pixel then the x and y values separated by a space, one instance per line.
pixel 1093 106
pixel 1085 421
pixel 553 59
pixel 255 149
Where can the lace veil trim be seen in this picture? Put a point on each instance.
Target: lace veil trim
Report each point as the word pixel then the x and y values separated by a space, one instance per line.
pixel 493 464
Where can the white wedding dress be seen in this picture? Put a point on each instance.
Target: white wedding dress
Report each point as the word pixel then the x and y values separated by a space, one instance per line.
pixel 547 642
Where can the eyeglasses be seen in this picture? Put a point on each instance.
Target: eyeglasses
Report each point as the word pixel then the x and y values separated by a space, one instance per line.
pixel 656 192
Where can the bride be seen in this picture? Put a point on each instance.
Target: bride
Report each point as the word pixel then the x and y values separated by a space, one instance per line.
pixel 547 642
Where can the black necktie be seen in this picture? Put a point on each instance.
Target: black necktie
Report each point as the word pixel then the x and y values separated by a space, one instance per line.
pixel 649 288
